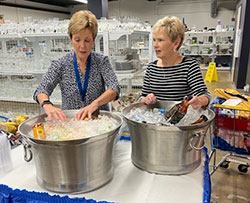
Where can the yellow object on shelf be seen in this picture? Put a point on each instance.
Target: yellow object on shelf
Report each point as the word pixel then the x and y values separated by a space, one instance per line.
pixel 243 107
pixel 211 74
pixel 231 107
pixel 20 118
pixel 10 127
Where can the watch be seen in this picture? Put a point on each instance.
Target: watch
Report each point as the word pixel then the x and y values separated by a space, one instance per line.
pixel 46 102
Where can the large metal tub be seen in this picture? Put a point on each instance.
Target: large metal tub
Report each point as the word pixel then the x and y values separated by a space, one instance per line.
pixel 73 165
pixel 166 149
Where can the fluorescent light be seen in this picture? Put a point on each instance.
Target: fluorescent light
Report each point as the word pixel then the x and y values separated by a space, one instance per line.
pixel 82 1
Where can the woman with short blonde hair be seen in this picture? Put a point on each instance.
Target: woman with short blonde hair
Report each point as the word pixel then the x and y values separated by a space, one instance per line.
pixel 172 76
pixel 86 79
pixel 173 27
pixel 82 20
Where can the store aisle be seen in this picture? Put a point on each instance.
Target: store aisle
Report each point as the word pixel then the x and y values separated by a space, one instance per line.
pixel 228 185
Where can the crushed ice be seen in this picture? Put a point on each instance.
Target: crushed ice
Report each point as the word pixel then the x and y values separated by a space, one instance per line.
pixel 157 116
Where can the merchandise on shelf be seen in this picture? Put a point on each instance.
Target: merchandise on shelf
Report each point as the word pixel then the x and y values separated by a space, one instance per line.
pixel 125 101
pixel 28 48
pixel 9 128
pixel 209 46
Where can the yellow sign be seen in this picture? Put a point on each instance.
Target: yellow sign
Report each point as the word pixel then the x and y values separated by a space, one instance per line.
pixel 211 74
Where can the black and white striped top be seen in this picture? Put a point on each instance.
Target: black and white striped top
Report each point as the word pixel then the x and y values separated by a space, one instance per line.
pixel 172 83
pixel 62 73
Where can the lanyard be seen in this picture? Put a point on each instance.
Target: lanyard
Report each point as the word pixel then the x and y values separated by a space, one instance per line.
pixel 83 89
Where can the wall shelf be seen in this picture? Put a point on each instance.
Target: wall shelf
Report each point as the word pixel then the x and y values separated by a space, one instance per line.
pixel 25 58
pixel 209 47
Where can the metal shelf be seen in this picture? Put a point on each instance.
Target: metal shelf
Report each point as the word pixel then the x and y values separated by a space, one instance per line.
pixel 25 100
pixel 46 43
pixel 208 42
pixel 218 68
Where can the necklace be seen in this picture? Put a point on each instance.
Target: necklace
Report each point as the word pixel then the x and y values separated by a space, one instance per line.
pixel 82 66
pixel 164 72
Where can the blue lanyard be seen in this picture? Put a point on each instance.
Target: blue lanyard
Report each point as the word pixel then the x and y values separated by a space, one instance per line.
pixel 86 78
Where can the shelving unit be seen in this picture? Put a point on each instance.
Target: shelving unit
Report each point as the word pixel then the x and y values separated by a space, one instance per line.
pixel 141 42
pixel 209 46
pixel 129 50
pixel 24 58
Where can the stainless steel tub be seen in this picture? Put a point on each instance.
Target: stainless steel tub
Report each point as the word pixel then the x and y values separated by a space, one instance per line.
pixel 166 149
pixel 72 165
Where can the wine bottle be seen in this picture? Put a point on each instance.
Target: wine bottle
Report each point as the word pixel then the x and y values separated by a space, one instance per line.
pixel 181 111
pixel 202 119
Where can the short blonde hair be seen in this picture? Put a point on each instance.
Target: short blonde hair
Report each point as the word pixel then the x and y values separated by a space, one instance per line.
pixel 82 20
pixel 173 27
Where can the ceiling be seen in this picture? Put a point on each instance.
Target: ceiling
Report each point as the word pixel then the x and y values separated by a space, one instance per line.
pixel 67 3
pixel 62 3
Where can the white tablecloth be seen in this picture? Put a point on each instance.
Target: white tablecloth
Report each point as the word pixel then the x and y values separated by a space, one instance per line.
pixel 129 184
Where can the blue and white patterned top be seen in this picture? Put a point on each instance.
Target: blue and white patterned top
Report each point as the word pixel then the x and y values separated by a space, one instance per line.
pixel 61 71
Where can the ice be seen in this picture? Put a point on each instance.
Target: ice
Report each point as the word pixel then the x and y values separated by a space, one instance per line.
pixel 150 116
pixel 192 115
pixel 157 116
pixel 73 129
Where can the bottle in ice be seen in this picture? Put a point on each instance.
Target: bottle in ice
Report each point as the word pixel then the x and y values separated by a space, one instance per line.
pixel 202 119
pixel 38 131
pixel 179 110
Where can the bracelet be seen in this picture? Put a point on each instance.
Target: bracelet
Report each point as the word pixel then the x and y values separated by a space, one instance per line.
pixel 46 102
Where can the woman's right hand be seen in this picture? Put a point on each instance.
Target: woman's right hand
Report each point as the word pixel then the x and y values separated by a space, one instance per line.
pixel 54 112
pixel 149 99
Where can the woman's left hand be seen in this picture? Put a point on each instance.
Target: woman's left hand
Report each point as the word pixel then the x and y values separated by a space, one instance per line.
pixel 86 112
pixel 196 102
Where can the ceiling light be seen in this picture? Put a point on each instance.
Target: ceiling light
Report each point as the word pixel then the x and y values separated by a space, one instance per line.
pixel 82 1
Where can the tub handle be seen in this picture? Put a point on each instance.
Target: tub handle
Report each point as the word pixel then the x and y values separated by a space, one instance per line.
pixel 27 152
pixel 191 142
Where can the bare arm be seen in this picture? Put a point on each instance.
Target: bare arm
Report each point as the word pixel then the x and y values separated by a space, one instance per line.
pixel 199 101
pixel 108 96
